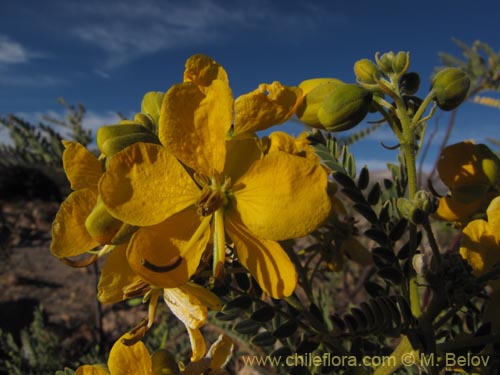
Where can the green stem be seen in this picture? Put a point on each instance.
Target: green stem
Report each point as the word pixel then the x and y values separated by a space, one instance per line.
pixel 427 100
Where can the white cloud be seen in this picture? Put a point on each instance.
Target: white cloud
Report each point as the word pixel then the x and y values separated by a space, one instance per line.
pixel 12 52
pixel 127 30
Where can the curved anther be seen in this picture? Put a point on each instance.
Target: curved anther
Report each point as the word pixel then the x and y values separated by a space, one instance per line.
pixel 173 264
pixel 137 289
pixel 82 262
pixel 136 333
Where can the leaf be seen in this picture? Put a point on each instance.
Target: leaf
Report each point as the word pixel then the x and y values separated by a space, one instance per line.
pixel 241 303
pixel 263 314
pixel 374 194
pixel 364 178
pixel 286 329
pixel 246 327
pixel 263 339
pixel 366 212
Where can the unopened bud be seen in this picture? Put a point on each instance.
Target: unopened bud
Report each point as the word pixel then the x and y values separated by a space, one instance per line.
pixel 450 86
pixel 346 107
pixel 366 71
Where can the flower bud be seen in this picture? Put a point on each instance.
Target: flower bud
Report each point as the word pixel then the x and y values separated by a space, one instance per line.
pixel 345 107
pixel 366 71
pixel 101 225
pixel 151 105
pixel 316 91
pixel 385 62
pixel 409 83
pixel 145 120
pixel 116 144
pixel 450 86
pixel 105 133
pixel 401 62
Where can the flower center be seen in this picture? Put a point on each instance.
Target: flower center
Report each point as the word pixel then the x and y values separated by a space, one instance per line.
pixel 213 193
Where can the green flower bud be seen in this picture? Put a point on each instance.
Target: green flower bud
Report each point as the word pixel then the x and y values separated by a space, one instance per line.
pixel 317 90
pixel 145 120
pixel 451 86
pixel 401 62
pixel 105 133
pixel 409 83
pixel 116 144
pixel 366 71
pixel 385 62
pixel 101 225
pixel 346 107
pixel 151 105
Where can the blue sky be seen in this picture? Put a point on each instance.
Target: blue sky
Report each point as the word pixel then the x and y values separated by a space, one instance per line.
pixel 107 54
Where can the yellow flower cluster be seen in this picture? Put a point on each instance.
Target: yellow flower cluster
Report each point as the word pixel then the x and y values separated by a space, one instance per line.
pixel 472 172
pixel 188 175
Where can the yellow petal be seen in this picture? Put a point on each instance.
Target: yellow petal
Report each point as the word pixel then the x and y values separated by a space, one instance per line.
pixel 144 184
pixel 91 370
pixel 183 235
pixel 479 246
pixel 269 105
pixel 197 344
pixel 493 213
pixel 450 209
pixel 205 296
pixel 242 151
pixel 202 70
pixel 82 168
pixel 194 125
pixel 186 307
pixel 266 260
pixel 281 141
pixel 457 166
pixel 220 352
pixel 69 236
pixel 116 275
pixel 129 360
pixel 282 196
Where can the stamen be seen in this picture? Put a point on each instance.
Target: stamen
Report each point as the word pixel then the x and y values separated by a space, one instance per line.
pixel 219 243
pixel 201 179
pixel 137 333
pixel 153 302
pixel 136 289
pixel 81 263
pixel 173 264
pixel 220 271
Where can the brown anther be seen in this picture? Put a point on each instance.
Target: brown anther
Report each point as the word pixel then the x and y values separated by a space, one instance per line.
pixel 201 180
pixel 209 202
pixel 173 264
pixel 137 333
pixel 80 263
pixel 220 271
pixel 137 289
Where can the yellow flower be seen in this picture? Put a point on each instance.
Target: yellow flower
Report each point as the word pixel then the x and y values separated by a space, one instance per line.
pixel 481 248
pixel 136 360
pixel 123 360
pixel 69 235
pixel 256 200
pixel 481 241
pixel 189 302
pixel 471 172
